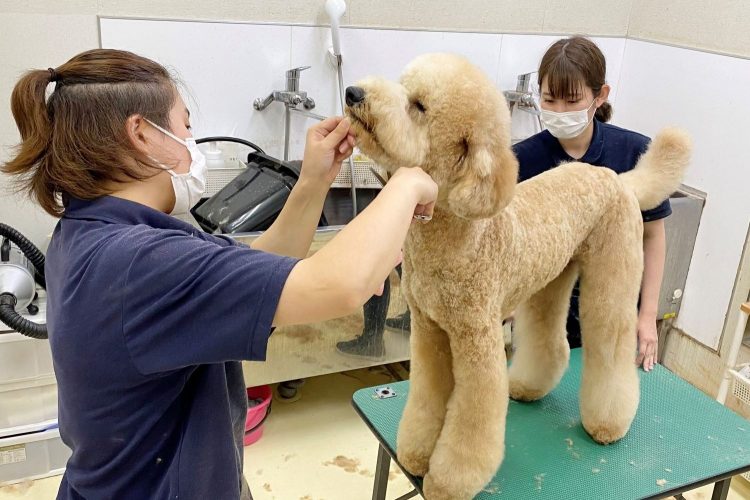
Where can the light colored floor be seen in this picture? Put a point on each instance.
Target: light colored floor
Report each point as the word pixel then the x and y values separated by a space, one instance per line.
pixel 317 449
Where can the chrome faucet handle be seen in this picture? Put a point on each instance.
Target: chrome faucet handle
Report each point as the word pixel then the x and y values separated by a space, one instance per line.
pixel 294 72
pixel 523 84
pixel 261 104
pixel 292 78
pixel 308 103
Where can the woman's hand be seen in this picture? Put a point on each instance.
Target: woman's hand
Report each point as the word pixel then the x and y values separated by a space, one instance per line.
pixel 327 145
pixel 422 186
pixel 647 344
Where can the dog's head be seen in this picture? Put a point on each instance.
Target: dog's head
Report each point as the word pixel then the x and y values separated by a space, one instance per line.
pixel 448 118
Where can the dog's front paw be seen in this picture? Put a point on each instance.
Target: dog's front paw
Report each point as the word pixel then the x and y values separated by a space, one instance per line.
pixel 444 488
pixel 416 463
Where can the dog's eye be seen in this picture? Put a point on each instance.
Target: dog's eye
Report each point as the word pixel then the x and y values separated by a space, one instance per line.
pixel 419 106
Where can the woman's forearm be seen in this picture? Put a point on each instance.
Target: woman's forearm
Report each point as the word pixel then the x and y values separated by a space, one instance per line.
pixel 345 273
pixel 381 229
pixel 654 251
pixel 292 232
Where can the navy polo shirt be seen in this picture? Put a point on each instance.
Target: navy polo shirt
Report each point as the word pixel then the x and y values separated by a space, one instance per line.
pixel 148 319
pixel 612 147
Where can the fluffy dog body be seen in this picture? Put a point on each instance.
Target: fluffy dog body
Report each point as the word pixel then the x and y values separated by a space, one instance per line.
pixel 494 247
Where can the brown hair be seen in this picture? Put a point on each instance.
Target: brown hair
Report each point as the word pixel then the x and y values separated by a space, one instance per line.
pixel 571 62
pixel 75 143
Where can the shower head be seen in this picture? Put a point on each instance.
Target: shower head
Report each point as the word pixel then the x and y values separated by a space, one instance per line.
pixel 335 9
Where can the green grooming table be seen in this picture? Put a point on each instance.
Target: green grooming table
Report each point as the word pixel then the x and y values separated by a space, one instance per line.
pixel 680 440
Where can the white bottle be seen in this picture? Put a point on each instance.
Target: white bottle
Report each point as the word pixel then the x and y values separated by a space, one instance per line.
pixel 214 157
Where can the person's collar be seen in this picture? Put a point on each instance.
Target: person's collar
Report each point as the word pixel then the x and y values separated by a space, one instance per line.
pixel 592 154
pixel 120 211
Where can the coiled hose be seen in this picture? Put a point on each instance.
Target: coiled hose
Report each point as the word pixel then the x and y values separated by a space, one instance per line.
pixel 10 317
pixel 8 313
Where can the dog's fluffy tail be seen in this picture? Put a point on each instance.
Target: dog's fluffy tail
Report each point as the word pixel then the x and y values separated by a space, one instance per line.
pixel 659 171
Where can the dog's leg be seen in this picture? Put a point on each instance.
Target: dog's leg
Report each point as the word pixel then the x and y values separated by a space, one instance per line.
pixel 431 383
pixel 471 444
pixel 541 348
pixel 610 282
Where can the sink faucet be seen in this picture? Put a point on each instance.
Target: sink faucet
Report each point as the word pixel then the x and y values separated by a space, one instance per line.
pixel 522 98
pixel 292 96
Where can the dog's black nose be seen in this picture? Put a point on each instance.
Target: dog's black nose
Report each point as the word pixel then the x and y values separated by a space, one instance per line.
pixel 354 95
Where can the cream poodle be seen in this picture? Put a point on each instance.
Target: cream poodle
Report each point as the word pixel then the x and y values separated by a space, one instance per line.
pixel 493 247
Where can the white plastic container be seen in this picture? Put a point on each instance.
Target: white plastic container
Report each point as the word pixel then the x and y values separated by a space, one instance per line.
pixel 27 429
pixel 741 390
pixel 214 157
pixel 28 402
pixel 32 456
pixel 23 358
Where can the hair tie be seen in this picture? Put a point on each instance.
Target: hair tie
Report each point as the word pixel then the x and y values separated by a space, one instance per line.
pixel 52 75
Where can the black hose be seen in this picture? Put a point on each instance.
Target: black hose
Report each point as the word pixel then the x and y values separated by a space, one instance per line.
pixel 222 138
pixel 35 256
pixel 10 317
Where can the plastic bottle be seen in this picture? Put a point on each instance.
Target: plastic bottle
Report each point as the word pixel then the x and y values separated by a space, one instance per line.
pixel 214 157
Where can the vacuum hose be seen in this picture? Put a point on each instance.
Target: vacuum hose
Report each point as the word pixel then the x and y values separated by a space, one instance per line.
pixel 8 300
pixel 10 317
pixel 236 140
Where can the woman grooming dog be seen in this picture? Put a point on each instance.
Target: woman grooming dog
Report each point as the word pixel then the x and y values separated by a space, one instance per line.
pixel 148 317
pixel 575 113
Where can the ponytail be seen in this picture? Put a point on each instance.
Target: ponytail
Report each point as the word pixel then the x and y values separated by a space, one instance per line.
pixel 58 155
pixel 604 112
pixel 28 102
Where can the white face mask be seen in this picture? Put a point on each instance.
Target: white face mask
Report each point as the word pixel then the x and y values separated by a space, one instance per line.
pixel 566 125
pixel 188 187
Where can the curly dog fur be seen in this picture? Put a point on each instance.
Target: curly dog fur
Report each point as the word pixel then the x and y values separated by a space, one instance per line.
pixel 494 247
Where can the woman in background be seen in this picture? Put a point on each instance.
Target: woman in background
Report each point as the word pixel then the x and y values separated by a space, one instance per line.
pixel 575 113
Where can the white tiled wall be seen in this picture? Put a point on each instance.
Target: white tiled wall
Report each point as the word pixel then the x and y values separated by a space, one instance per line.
pixel 706 94
pixel 223 67
pixel 247 61
pixel 226 66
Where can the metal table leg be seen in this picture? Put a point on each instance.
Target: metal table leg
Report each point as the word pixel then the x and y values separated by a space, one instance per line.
pixel 382 469
pixel 721 489
pixel 409 495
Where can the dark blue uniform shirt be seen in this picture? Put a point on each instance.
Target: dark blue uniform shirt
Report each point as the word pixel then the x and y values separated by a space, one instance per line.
pixel 148 319
pixel 612 147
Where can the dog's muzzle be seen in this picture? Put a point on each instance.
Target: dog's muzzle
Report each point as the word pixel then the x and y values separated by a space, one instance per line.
pixel 354 96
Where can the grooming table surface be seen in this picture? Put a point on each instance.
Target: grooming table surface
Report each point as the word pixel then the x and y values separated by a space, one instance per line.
pixel 680 439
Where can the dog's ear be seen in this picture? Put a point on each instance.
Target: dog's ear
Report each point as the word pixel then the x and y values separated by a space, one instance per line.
pixel 487 175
